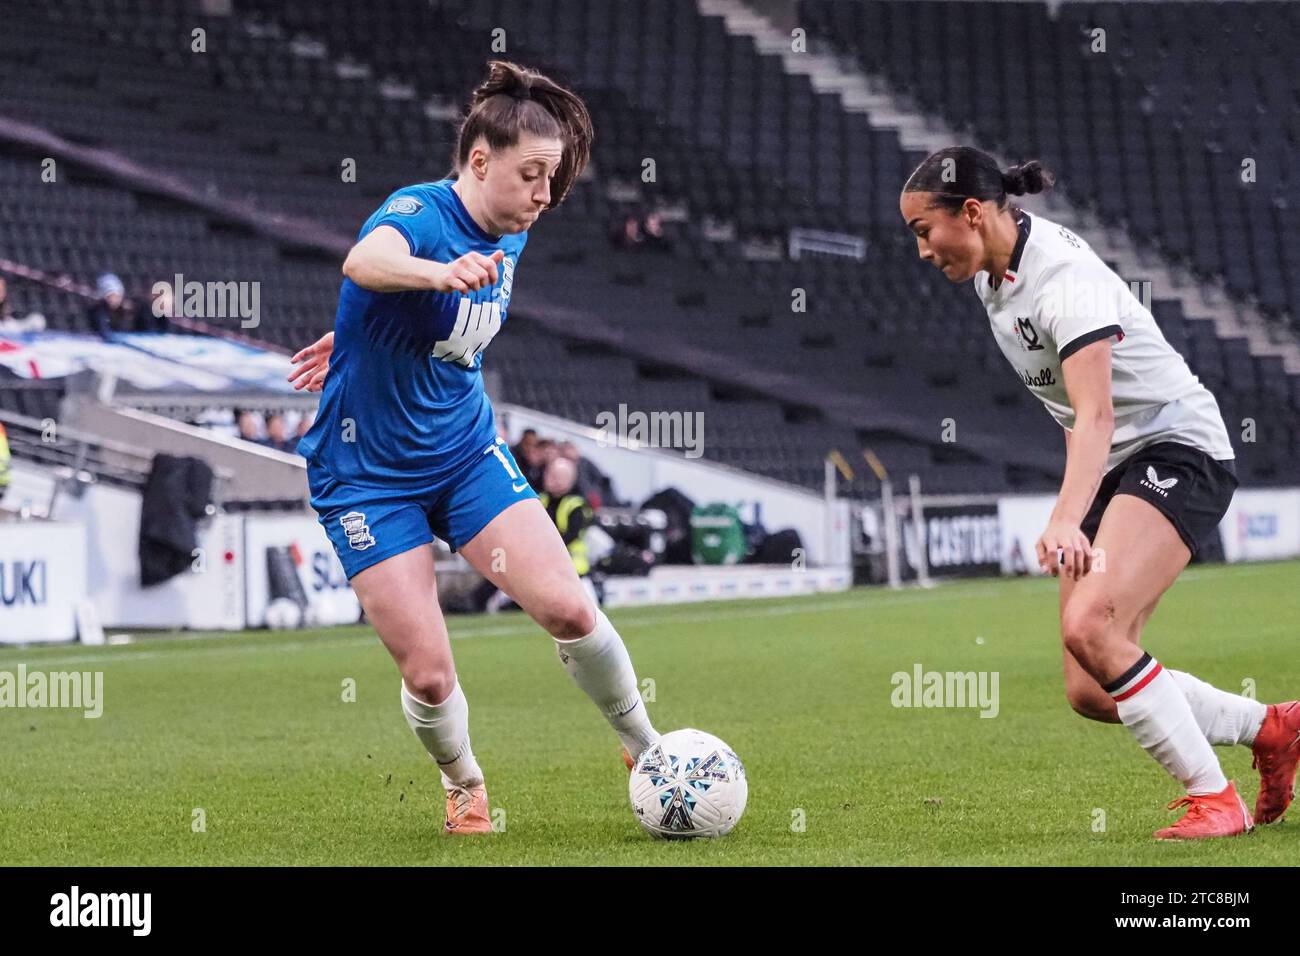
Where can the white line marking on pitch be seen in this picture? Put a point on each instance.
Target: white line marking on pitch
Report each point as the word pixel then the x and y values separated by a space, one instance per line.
pixel 120 653
pixel 654 616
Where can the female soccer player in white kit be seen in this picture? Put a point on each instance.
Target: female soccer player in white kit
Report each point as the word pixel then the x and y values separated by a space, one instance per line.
pixel 1149 474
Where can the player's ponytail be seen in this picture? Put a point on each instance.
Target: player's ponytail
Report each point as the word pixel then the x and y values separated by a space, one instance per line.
pixel 515 100
pixel 958 173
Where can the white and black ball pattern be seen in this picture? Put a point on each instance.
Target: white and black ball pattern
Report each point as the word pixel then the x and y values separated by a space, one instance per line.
pixel 688 784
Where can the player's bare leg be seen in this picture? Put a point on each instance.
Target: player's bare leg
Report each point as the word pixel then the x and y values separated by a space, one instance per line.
pixel 522 553
pixel 400 597
pixel 1085 695
pixel 1089 700
pixel 1144 556
pixel 1272 732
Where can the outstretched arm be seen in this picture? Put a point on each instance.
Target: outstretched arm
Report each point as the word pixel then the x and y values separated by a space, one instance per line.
pixel 382 262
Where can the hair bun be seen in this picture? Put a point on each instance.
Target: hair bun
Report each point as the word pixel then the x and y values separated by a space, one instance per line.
pixel 505 78
pixel 1028 177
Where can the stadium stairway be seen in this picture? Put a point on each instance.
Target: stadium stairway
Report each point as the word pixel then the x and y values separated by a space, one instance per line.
pixel 1131 201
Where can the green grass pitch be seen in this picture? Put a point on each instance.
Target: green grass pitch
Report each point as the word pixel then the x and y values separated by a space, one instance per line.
pixel 254 731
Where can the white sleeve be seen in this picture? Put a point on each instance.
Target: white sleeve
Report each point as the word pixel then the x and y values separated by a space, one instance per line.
pixel 1077 302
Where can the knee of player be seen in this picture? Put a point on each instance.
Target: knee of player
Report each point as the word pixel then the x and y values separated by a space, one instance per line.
pixel 1086 626
pixel 430 683
pixel 568 616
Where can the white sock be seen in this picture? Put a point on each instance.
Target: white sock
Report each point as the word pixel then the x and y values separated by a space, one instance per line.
pixel 600 665
pixel 1152 706
pixel 444 731
pixel 1224 718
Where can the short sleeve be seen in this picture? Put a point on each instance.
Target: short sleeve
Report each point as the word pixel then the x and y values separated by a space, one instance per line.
pixel 418 220
pixel 1077 303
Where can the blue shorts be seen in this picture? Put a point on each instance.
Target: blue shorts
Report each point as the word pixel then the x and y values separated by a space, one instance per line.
pixel 367 525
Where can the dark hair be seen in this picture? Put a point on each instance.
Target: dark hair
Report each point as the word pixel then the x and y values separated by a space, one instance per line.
pixel 958 173
pixel 514 100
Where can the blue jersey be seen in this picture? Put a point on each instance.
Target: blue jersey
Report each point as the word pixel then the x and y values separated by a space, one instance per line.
pixel 403 404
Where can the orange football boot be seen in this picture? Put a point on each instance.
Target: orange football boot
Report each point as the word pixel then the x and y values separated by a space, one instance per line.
pixel 1277 752
pixel 1209 815
pixel 467 810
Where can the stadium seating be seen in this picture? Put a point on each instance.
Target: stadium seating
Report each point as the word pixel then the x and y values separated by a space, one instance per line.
pixel 1130 131
pixel 884 353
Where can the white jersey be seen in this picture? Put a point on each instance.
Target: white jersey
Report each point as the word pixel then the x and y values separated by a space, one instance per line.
pixel 1057 297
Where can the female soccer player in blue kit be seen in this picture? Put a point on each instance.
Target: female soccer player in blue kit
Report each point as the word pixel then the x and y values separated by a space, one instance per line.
pixel 405 446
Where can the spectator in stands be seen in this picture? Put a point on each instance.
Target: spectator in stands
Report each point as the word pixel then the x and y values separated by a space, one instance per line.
pixel 568 509
pixel 541 454
pixel 652 229
pixel 13 323
pixel 248 426
pixel 639 229
pixel 156 314
pixel 526 441
pixel 625 231
pixel 109 313
pixel 277 434
pixel 593 484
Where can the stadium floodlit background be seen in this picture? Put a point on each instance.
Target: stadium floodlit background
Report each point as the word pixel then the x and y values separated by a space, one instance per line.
pixel 769 400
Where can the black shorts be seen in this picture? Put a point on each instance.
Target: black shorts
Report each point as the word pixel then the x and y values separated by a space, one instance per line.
pixel 1189 488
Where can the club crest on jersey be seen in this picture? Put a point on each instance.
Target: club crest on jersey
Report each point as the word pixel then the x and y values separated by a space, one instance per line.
pixel 358 532
pixel 1154 482
pixel 404 206
pixel 1027 334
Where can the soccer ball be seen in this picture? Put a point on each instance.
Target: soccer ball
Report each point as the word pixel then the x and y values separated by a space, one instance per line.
pixel 688 784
